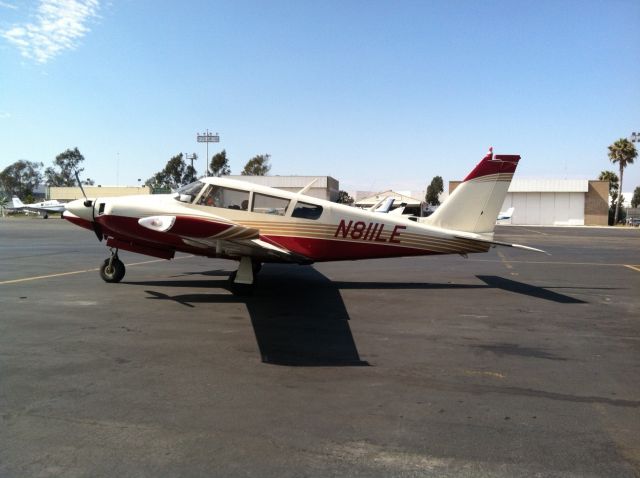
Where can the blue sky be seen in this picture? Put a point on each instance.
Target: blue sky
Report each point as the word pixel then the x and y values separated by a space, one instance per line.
pixel 376 94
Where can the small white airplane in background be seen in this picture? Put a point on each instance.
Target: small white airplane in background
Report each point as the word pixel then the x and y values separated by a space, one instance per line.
pixel 43 208
pixel 384 207
pixel 505 215
pixel 252 224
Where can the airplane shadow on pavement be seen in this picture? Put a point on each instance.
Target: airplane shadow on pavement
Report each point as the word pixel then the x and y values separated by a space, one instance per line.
pixel 299 317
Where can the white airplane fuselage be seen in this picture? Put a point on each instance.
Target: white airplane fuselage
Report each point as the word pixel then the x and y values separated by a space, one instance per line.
pixel 221 217
pixel 340 233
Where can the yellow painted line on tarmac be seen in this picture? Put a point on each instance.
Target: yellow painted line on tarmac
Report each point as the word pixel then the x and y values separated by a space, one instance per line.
pixel 504 260
pixel 61 274
pixel 557 263
pixel 635 268
pixel 26 279
pixel 534 231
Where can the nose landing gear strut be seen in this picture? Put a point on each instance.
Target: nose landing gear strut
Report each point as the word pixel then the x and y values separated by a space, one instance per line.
pixel 112 269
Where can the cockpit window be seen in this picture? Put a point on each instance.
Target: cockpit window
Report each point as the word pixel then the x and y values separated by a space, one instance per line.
pixel 269 204
pixel 305 210
pixel 217 196
pixel 189 192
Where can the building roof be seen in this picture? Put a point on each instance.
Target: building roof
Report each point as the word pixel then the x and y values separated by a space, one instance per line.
pixel 549 185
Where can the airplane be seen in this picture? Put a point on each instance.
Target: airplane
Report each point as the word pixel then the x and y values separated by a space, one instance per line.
pixel 505 215
pixel 384 207
pixel 399 210
pixel 43 207
pixel 218 217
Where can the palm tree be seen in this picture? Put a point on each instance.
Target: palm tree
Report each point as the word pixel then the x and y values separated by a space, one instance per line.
pixel 613 185
pixel 622 152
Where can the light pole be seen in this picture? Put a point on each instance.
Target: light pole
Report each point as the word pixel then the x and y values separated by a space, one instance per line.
pixel 208 138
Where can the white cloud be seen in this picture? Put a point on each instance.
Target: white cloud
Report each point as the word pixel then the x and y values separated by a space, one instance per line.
pixel 4 115
pixel 10 6
pixel 59 25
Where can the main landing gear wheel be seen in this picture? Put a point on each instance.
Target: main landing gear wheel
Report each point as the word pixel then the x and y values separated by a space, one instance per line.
pixel 112 269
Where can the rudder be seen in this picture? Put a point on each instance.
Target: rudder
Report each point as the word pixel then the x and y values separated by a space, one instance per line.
pixel 475 204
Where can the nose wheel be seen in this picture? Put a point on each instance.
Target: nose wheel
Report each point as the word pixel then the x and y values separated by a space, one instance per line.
pixel 112 269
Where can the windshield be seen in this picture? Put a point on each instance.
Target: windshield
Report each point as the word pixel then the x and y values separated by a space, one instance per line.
pixel 189 192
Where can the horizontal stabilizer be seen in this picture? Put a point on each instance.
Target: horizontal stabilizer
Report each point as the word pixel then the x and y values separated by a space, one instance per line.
pixel 500 243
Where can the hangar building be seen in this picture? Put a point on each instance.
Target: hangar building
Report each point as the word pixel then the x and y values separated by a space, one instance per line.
pixel 62 193
pixel 556 202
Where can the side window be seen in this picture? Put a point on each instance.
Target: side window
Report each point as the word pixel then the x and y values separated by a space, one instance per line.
pixel 217 196
pixel 269 204
pixel 305 210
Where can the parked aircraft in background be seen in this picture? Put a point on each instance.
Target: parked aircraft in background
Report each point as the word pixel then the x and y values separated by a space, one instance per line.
pixel 505 215
pixel 399 211
pixel 253 224
pixel 385 205
pixel 43 208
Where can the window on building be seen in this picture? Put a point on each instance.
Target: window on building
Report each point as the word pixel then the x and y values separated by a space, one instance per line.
pixel 269 204
pixel 305 210
pixel 217 196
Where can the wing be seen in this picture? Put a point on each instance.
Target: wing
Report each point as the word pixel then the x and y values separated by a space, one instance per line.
pixel 225 237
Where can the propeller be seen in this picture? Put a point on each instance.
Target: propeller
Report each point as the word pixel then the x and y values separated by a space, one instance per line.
pixel 88 203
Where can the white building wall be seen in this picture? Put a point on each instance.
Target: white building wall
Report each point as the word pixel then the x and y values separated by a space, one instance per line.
pixel 546 208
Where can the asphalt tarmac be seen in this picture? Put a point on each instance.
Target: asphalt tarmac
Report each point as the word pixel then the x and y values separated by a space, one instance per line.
pixel 505 364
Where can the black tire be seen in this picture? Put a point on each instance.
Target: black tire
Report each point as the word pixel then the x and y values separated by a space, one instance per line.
pixel 45 216
pixel 115 273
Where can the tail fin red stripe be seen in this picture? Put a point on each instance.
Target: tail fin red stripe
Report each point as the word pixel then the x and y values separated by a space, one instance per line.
pixel 501 163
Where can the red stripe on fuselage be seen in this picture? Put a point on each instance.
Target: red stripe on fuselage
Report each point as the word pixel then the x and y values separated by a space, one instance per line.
pixel 78 221
pixel 192 226
pixel 336 250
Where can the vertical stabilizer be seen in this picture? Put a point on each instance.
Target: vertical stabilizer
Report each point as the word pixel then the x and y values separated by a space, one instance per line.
pixel 475 204
pixel 15 201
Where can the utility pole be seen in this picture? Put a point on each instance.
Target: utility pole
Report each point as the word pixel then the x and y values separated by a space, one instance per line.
pixel 208 138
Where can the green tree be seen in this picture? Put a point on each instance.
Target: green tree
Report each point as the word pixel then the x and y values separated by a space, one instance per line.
pixel 21 178
pixel 64 167
pixel 622 152
pixel 175 174
pixel 635 200
pixel 433 191
pixel 344 198
pixel 190 174
pixel 257 166
pixel 219 165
